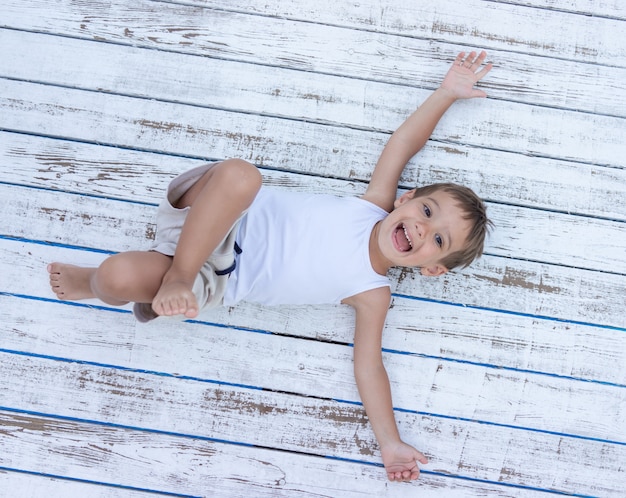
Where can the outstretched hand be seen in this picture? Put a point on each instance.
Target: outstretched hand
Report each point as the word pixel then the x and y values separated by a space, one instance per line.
pixel 464 74
pixel 400 460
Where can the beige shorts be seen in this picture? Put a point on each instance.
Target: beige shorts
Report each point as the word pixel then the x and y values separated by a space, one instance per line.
pixel 210 284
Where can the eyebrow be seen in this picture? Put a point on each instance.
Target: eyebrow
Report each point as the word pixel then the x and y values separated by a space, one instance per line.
pixel 433 201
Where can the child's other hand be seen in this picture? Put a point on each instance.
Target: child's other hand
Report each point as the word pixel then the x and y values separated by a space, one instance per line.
pixel 464 74
pixel 400 461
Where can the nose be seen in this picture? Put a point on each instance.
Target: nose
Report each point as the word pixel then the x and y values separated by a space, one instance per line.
pixel 421 229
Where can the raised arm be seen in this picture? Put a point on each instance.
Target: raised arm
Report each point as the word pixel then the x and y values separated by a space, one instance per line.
pixel 411 136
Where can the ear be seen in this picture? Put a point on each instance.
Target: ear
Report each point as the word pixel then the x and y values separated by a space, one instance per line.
pixel 407 196
pixel 435 270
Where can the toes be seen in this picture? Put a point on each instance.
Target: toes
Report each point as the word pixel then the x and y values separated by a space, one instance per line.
pixel 170 307
pixel 54 268
pixel 175 300
pixel 191 312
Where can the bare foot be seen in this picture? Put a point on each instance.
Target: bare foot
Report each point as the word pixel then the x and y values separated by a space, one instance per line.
pixel 70 281
pixel 175 298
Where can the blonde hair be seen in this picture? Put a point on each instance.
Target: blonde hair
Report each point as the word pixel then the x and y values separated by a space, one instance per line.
pixel 474 211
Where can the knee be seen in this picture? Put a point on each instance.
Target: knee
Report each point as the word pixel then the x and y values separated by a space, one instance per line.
pixel 114 277
pixel 241 176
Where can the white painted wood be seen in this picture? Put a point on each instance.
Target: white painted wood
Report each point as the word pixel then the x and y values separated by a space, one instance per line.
pixel 534 182
pixel 23 485
pixel 281 91
pixel 416 327
pixel 475 392
pixel 205 468
pixel 300 44
pixel 495 24
pixel 598 185
pixel 522 233
pixel 515 286
pixel 318 427
pixel 96 219
pixel 202 132
pixel 538 289
pixel 114 100
pixel 614 9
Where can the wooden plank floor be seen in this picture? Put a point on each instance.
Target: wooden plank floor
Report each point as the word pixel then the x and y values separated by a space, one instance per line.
pixel 510 375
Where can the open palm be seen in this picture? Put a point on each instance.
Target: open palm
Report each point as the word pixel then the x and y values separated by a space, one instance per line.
pixel 464 74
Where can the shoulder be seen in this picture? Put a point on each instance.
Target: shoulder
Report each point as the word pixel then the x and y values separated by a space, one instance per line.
pixel 371 311
pixel 367 205
pixel 381 199
pixel 372 301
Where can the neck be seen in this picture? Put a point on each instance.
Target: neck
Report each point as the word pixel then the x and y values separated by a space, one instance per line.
pixel 379 263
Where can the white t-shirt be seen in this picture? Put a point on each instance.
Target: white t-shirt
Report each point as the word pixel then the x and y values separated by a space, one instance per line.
pixel 304 249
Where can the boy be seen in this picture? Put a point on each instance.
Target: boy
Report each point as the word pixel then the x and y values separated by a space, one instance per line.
pixel 300 248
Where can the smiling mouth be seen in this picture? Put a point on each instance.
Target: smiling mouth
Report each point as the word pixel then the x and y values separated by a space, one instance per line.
pixel 402 239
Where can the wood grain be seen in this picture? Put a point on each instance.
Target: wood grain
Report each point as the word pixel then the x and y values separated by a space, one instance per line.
pixel 181 406
pixel 22 483
pixel 518 285
pixel 505 374
pixel 436 385
pixel 500 25
pixel 205 468
pixel 416 327
pixel 565 240
pixel 142 124
pixel 359 52
pixel 532 182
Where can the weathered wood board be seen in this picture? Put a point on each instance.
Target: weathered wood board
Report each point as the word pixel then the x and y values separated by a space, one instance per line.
pixel 509 374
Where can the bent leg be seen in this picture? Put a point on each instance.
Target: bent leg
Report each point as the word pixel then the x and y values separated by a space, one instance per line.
pixel 217 200
pixel 130 276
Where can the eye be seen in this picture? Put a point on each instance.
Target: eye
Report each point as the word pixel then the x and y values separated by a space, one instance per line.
pixel 427 211
pixel 439 240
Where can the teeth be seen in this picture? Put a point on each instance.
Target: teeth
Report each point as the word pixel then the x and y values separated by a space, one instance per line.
pixel 406 234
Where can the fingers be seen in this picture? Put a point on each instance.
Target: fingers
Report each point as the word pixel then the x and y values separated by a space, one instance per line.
pixel 480 74
pixel 473 62
pixel 478 60
pixel 407 475
pixel 468 61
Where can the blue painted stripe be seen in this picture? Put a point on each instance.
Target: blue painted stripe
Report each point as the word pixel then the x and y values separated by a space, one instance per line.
pixel 386 350
pixel 54 244
pixel 508 484
pixel 496 424
pixel 467 478
pixel 79 194
pixel 128 312
pixel 395 294
pixel 98 483
pixel 342 401
pixel 502 367
pixel 493 424
pixel 224 441
pixel 129 369
pixel 113 425
pixel 508 312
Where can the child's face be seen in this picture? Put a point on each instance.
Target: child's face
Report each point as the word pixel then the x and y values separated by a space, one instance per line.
pixel 421 231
